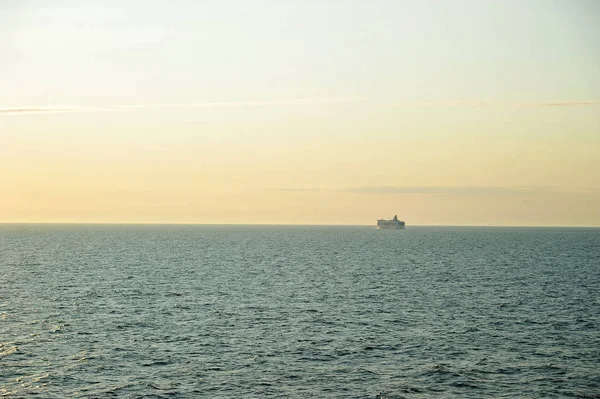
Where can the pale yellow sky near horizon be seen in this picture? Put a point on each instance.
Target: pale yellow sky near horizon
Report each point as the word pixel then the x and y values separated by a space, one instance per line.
pixel 318 120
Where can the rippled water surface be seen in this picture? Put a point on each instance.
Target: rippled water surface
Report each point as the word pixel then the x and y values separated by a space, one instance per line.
pixel 298 312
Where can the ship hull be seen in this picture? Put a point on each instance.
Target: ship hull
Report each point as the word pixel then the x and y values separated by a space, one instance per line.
pixel 390 225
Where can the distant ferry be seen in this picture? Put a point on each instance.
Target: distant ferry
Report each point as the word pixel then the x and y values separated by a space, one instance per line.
pixel 393 224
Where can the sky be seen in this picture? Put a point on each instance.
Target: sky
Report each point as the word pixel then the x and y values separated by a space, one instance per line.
pixel 300 112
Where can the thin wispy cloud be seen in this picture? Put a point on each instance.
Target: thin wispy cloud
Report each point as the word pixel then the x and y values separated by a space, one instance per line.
pixel 482 103
pixel 456 191
pixel 216 104
pixel 434 190
pixel 450 103
pixel 47 109
pixel 299 189
pixel 281 103
pixel 452 190
pixel 562 104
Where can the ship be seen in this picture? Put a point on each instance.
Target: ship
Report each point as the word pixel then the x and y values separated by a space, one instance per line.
pixel 393 224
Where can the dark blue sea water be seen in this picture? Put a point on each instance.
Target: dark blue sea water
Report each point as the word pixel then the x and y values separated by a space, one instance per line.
pixel 298 312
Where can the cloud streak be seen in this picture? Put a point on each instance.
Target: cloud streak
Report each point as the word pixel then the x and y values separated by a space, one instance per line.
pixel 56 109
pixel 217 104
pixel 562 104
pixel 47 109
pixel 481 103
pixel 452 190
pixel 449 103
pixel 470 191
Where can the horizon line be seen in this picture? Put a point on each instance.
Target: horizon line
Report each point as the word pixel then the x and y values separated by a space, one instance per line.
pixel 286 224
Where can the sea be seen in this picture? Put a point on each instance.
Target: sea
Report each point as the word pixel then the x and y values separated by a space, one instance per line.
pixel 232 311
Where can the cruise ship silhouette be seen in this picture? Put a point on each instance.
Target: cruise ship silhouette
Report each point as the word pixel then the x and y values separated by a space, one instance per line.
pixel 393 224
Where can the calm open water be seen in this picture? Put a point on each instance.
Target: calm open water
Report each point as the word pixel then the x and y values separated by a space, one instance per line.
pixel 298 312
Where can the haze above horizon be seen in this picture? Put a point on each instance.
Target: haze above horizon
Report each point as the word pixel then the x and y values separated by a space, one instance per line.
pixel 301 112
